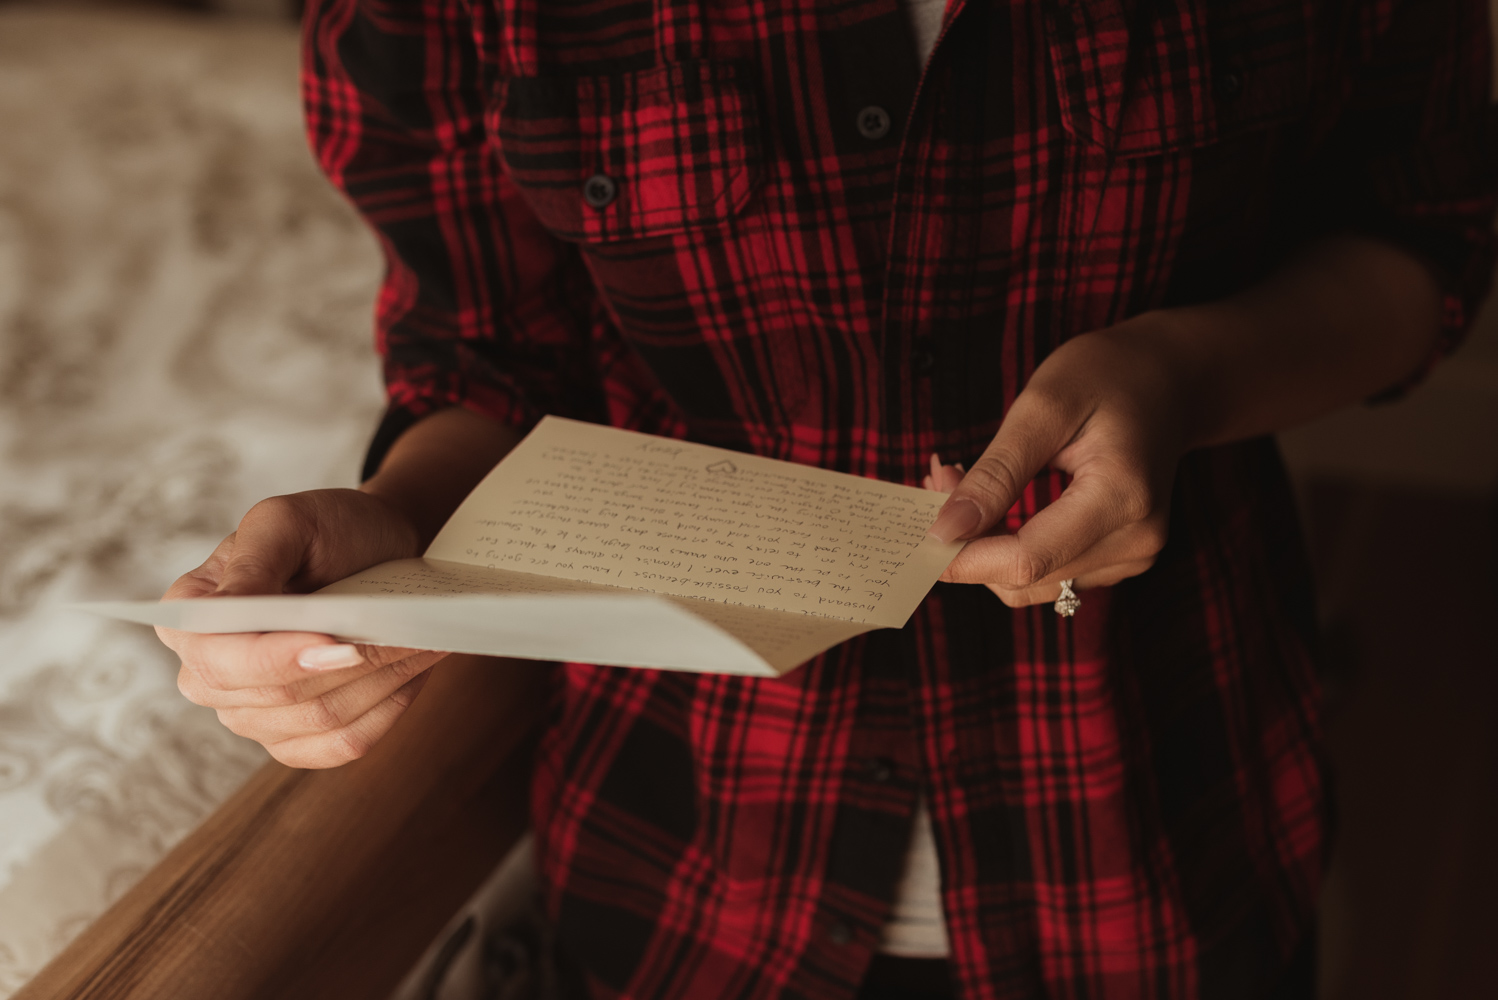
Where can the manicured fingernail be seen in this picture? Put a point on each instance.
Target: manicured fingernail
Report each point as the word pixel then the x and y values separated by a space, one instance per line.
pixel 958 519
pixel 329 657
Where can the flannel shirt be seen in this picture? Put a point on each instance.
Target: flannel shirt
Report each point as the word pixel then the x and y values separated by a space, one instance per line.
pixel 759 224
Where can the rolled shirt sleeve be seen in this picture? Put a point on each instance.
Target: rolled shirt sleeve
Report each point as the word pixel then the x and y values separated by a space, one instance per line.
pixel 481 307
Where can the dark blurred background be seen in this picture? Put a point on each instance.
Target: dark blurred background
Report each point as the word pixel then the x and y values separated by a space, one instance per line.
pixel 184 329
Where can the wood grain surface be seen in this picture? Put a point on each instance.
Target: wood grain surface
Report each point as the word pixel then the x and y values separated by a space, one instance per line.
pixel 327 884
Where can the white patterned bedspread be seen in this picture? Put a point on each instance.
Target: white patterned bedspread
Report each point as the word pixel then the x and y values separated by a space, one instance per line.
pixel 184 329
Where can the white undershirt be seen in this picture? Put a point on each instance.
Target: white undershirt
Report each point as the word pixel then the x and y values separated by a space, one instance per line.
pixel 916 926
pixel 925 24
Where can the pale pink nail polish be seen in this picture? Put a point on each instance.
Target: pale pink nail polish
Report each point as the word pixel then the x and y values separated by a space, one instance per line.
pixel 958 519
pixel 329 657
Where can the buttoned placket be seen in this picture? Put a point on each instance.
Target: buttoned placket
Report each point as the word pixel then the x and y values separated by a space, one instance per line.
pixel 913 356
pixel 883 755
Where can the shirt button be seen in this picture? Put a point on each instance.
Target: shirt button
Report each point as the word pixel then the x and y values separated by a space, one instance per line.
pixel 599 190
pixel 922 361
pixel 881 770
pixel 1229 86
pixel 839 932
pixel 873 122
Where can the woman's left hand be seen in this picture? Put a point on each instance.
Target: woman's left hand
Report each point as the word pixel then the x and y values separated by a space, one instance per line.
pixel 1107 408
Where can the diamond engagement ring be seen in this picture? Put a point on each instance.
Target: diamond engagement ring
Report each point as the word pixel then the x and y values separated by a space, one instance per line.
pixel 1067 604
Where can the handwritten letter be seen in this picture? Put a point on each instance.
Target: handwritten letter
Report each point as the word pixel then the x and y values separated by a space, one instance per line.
pixel 606 506
pixel 606 546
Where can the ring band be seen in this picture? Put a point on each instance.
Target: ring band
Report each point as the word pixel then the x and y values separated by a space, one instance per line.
pixel 1067 604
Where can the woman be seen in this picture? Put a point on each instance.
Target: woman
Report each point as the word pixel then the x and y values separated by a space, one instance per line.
pixel 1092 251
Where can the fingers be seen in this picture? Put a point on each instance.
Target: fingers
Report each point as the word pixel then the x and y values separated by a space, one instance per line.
pixel 1032 433
pixel 199 582
pixel 1047 591
pixel 1087 412
pixel 352 741
pixel 1092 539
pixel 1018 580
pixel 270 547
pixel 267 550
pixel 327 719
pixel 1095 523
pixel 203 580
pixel 943 478
pixel 314 701
pixel 268 668
pixel 326 711
pixel 235 661
pixel 259 557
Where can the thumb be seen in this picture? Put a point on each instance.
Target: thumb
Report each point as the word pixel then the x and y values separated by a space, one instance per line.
pixel 270 548
pixel 1030 436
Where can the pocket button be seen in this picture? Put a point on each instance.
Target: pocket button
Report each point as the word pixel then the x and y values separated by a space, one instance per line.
pixel 599 191
pixel 873 122
pixel 1229 86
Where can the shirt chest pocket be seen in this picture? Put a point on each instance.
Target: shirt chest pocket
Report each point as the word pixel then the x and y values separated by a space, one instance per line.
pixel 625 157
pixel 1199 71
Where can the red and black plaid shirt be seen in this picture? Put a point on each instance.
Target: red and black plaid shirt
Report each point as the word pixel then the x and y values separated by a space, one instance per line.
pixel 690 218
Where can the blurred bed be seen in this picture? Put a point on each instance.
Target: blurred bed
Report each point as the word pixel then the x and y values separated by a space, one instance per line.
pixel 184 329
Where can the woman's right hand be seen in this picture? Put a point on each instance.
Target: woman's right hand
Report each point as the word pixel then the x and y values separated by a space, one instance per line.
pixel 310 700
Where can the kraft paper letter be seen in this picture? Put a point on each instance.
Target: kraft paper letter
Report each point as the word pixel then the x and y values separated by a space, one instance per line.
pixel 594 544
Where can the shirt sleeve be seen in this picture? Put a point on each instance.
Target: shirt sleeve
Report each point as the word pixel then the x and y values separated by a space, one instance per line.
pixel 480 307
pixel 1409 155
